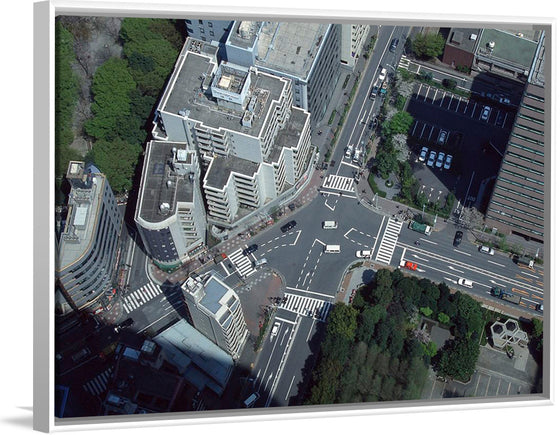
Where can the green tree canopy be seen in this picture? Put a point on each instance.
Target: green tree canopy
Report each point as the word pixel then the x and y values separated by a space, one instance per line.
pixel 112 87
pixel 117 159
pixel 457 359
pixel 430 45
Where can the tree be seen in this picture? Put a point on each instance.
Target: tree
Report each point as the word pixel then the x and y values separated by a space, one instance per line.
pixel 117 159
pixel 457 359
pixel 112 87
pixel 386 163
pixel 469 310
pixel 367 321
pixel 472 218
pixel 428 45
pixel 443 318
pixel 401 123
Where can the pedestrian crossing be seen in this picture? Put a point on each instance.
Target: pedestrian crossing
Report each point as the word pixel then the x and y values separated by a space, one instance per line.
pixel 388 241
pixel 139 297
pixel 306 306
pixel 404 62
pixel 98 385
pixel 242 263
pixel 338 182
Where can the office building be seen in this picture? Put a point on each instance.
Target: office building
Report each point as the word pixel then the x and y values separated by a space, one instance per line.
pixel 216 312
pixel 309 54
pixel 253 144
pixel 170 211
pixel 86 253
pixel 517 202
pixel 352 40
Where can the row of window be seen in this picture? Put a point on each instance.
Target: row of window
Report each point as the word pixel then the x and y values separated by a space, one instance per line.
pixel 509 223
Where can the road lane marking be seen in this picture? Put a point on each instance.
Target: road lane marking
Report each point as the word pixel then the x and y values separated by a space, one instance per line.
pixel 461 252
pixel 497 264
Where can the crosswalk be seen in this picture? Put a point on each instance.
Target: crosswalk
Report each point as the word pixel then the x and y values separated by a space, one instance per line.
pixel 338 182
pixel 242 263
pixel 98 384
pixel 306 306
pixel 388 241
pixel 404 62
pixel 140 297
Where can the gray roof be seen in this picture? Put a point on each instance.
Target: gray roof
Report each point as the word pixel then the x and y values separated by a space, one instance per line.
pixel 155 191
pixel 184 346
pixel 185 94
pixel 221 167
pixel 244 33
pixel 214 292
pixel 460 37
pixel 289 136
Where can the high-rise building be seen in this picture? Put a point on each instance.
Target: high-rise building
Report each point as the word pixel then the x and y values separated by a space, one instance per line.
pixel 170 211
pixel 253 144
pixel 517 202
pixel 87 244
pixel 307 53
pixel 216 312
pixel 352 40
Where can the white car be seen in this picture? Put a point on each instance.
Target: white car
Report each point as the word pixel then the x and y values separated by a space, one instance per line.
pixel 423 154
pixel 465 282
pixel 447 163
pixel 275 328
pixel 363 254
pixel 439 162
pixel 383 75
pixel 485 113
pixel 504 100
pixel 486 250
pixel 431 159
pixel 442 137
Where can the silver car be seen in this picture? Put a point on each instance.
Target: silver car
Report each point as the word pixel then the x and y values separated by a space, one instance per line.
pixel 485 113
pixel 486 250
pixel 423 154
pixel 440 158
pixel 447 163
pixel 431 159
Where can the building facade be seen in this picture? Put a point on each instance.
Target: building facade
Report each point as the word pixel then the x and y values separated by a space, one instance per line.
pixel 352 40
pixel 518 199
pixel 253 144
pixel 216 312
pixel 87 244
pixel 170 211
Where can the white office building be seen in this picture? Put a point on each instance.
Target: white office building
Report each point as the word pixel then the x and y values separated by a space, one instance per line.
pixel 352 41
pixel 216 312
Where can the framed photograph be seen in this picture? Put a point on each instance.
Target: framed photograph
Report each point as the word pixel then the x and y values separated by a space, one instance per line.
pixel 246 213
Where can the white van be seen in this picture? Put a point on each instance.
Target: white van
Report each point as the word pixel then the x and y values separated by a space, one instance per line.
pixel 332 249
pixel 363 254
pixel 250 401
pixel 330 225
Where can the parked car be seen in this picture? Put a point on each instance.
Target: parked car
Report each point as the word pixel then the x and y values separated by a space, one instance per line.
pixel 125 324
pixel 442 137
pixel 423 154
pixel 504 100
pixel 439 162
pixel 287 227
pixel 486 250
pixel 458 238
pixel 394 44
pixel 485 113
pixel 447 163
pixel 250 249
pixel 431 159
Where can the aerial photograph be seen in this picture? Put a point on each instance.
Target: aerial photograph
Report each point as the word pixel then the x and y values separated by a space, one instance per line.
pixel 264 214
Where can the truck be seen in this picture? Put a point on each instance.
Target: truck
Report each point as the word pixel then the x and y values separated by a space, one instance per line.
pixel 383 89
pixel 506 296
pixel 421 228
pixel 525 261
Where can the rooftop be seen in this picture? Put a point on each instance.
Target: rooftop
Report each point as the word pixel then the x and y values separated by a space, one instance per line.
pixel 184 345
pixel 221 167
pixel 164 182
pixel 463 38
pixel 290 48
pixel 510 47
pixel 84 203
pixel 187 94
pixel 289 136
pixel 215 290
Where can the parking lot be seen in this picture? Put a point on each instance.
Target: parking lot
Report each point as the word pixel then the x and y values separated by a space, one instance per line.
pixel 473 133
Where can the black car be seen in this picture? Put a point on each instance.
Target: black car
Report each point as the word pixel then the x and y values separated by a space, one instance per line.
pixel 458 238
pixel 250 249
pixel 125 324
pixel 288 226
pixel 394 44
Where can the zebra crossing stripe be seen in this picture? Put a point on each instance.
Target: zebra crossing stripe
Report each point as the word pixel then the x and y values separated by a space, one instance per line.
pixel 98 384
pixel 307 306
pixel 338 182
pixel 388 242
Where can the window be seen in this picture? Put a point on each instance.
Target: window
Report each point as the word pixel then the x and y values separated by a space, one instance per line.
pixel 210 24
pixel 211 33
pixel 200 22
